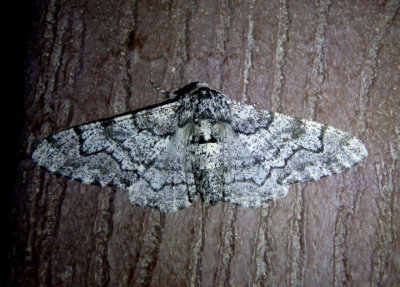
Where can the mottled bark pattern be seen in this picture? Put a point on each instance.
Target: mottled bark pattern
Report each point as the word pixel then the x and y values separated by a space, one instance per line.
pixel 331 62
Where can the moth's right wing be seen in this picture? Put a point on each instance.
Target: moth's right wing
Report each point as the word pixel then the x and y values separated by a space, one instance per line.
pixel 268 151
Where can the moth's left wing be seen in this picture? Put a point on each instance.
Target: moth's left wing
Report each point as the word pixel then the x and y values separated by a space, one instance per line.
pixel 267 151
pixel 142 152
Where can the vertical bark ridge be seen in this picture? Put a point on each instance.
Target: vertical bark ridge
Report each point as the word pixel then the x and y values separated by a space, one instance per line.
pixel 248 62
pixel 280 52
pixel 222 38
pixel 315 83
pixel 297 242
pixel 99 268
pixel 380 274
pixel 263 248
pixel 227 249
pixel 342 273
pixel 153 227
pixel 178 53
pixel 368 73
pixel 42 229
pixel 195 257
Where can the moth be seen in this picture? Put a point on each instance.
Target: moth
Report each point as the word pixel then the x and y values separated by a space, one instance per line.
pixel 199 143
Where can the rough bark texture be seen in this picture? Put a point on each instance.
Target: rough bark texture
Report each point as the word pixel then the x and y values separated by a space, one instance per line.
pixel 334 62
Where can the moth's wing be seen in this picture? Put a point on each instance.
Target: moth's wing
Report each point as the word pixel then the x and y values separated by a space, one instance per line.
pixel 142 152
pixel 318 150
pixel 268 151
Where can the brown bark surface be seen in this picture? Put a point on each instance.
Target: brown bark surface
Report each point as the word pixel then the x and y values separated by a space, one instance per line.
pixel 334 62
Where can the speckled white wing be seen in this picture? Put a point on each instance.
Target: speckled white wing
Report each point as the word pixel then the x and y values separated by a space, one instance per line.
pixel 267 151
pixel 142 152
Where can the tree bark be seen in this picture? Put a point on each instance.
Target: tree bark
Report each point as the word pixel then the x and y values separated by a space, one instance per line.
pixel 334 62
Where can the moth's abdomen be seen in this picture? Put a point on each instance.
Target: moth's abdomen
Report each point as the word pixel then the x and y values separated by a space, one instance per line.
pixel 208 171
pixel 207 163
pixel 209 183
pixel 208 156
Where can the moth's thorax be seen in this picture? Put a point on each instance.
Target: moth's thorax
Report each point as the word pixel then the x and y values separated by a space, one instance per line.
pixel 205 103
pixel 206 144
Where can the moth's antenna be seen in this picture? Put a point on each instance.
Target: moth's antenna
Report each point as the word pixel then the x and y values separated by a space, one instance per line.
pixel 169 95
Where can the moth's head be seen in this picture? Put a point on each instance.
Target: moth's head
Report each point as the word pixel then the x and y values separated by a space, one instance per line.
pixel 194 88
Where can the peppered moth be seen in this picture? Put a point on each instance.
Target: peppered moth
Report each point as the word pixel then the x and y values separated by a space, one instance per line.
pixel 199 143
